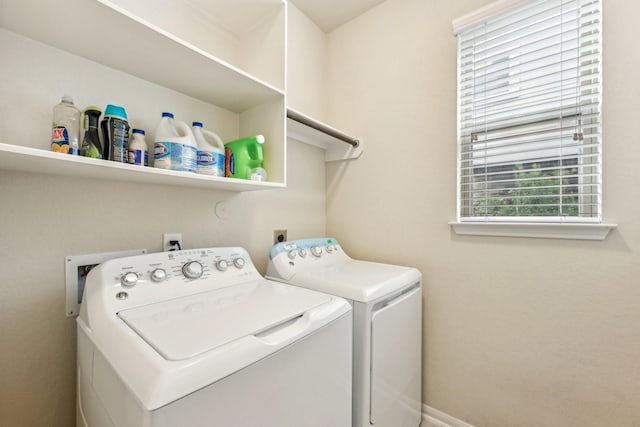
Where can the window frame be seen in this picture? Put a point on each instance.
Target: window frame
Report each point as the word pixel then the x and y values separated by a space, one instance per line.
pixel 515 226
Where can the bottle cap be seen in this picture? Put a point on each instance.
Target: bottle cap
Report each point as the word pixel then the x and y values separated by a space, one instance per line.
pixel 138 131
pixel 198 124
pixel 167 114
pixel 67 98
pixel 93 108
pixel 258 174
pixel 115 111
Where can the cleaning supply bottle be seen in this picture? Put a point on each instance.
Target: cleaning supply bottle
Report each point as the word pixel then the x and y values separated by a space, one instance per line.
pixel 138 152
pixel 243 158
pixel 65 129
pixel 115 132
pixel 174 146
pixel 165 132
pixel 210 156
pixel 91 146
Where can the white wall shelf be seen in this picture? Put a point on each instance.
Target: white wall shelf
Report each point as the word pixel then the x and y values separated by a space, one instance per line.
pixel 335 148
pixel 26 159
pixel 125 42
pixel 168 44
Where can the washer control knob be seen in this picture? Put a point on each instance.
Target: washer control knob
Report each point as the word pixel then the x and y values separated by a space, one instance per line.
pixel 291 254
pixel 302 252
pixel 239 262
pixel 129 279
pixel 158 275
pixel 192 270
pixel 222 265
pixel 316 251
pixel 329 249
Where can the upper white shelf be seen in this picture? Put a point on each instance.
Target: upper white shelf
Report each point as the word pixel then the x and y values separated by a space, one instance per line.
pixel 102 32
pixel 337 144
pixel 26 159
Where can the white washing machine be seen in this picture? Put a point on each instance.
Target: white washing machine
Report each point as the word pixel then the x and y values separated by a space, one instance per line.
pixel 198 338
pixel 387 319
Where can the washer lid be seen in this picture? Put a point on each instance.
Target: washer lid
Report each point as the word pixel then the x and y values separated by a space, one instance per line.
pixel 362 281
pixel 182 328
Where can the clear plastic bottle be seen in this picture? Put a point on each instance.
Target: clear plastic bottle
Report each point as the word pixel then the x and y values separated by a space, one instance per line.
pixel 65 129
pixel 138 152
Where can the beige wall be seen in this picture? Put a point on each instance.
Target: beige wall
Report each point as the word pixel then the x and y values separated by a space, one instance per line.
pixel 306 65
pixel 45 218
pixel 517 332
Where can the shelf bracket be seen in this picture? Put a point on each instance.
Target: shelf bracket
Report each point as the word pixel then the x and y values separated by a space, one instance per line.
pixel 338 145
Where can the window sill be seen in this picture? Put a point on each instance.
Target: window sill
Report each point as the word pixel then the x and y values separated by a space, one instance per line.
pixel 534 230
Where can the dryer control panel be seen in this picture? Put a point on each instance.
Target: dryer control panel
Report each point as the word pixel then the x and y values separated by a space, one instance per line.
pixel 128 282
pixel 300 250
pixel 287 258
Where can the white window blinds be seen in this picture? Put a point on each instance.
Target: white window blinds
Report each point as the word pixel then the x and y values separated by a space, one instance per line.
pixel 529 114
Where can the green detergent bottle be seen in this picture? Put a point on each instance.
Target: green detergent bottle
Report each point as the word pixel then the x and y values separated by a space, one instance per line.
pixel 243 158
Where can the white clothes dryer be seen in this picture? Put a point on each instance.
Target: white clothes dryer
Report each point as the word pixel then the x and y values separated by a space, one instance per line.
pixel 387 324
pixel 199 338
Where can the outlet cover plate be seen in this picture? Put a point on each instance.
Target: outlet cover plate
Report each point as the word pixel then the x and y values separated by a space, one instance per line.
pixel 279 236
pixel 168 237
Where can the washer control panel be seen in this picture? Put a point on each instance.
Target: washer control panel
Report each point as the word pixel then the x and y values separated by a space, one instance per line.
pixel 149 278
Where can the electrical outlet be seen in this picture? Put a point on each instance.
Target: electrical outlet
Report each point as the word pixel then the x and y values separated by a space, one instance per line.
pixel 279 236
pixel 167 238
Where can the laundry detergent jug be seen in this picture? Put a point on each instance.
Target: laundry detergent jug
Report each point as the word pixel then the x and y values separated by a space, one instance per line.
pixel 243 158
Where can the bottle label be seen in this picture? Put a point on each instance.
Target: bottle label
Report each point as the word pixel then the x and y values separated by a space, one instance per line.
pixel 162 155
pixel 229 163
pixel 175 156
pixel 60 140
pixel 138 157
pixel 210 163
pixel 116 134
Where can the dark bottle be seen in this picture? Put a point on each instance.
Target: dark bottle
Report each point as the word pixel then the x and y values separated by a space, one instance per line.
pixel 91 143
pixel 115 133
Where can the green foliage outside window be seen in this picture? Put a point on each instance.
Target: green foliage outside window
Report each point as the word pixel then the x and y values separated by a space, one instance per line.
pixel 536 191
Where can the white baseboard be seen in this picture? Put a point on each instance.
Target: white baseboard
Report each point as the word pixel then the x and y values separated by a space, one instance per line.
pixel 431 417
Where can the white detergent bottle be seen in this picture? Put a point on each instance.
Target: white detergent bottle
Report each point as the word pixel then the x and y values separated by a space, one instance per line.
pixel 185 155
pixel 138 153
pixel 175 147
pixel 165 134
pixel 210 154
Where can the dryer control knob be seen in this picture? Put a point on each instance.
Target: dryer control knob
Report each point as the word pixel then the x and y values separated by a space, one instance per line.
pixel 329 249
pixel 222 265
pixel 302 252
pixel 316 251
pixel 159 275
pixel 129 279
pixel 239 262
pixel 291 254
pixel 192 270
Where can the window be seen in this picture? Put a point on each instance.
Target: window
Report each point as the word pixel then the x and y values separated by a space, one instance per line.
pixel 529 113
